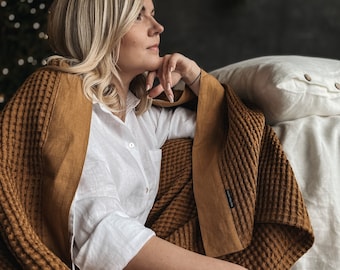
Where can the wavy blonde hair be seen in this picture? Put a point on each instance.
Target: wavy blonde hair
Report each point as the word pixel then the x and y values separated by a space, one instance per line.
pixel 86 34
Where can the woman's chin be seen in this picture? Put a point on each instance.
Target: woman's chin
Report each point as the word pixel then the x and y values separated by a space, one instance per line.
pixel 155 63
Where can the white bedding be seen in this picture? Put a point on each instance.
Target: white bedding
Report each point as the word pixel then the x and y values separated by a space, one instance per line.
pixel 312 145
pixel 300 97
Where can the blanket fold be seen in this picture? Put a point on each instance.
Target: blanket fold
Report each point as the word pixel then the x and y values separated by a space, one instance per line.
pixel 249 207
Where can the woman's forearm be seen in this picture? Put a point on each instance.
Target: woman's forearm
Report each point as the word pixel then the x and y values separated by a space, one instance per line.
pixel 160 254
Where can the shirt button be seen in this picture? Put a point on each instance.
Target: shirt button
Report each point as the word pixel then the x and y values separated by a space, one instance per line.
pixel 131 145
pixel 147 190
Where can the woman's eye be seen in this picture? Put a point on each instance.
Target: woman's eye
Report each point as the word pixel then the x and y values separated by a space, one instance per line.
pixel 139 17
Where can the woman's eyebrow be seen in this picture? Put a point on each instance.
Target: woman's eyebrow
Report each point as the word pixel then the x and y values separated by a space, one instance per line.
pixel 153 11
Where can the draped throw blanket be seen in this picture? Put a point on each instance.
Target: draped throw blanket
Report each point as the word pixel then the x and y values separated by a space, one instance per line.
pixel 229 193
pixel 242 202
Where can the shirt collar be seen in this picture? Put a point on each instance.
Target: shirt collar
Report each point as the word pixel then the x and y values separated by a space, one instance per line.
pixel 131 103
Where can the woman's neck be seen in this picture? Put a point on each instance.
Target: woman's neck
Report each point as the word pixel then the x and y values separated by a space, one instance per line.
pixel 123 92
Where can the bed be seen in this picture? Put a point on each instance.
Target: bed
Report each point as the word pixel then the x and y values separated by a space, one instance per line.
pixel 300 97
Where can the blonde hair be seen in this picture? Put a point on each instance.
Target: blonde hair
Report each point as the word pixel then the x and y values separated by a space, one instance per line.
pixel 86 34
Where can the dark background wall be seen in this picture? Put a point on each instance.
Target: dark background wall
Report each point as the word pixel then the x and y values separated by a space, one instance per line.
pixel 220 32
pixel 212 32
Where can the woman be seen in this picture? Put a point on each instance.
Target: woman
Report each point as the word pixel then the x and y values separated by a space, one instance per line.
pixel 99 156
pixel 112 44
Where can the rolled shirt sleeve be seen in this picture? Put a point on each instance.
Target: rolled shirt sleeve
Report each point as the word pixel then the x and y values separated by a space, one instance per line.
pixel 107 239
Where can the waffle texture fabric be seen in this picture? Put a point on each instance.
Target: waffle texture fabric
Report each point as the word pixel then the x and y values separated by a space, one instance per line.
pixel 243 203
pixel 242 187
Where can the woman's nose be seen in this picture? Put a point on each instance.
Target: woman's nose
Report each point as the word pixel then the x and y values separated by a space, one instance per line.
pixel 157 27
pixel 160 27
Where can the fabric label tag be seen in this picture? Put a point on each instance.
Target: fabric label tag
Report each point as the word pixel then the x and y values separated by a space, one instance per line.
pixel 230 198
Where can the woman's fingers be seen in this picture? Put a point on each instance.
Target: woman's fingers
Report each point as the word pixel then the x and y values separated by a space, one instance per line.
pixel 163 73
pixel 156 91
pixel 150 79
pixel 171 72
pixel 172 68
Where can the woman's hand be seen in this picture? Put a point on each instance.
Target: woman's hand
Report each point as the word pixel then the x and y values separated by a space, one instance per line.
pixel 172 68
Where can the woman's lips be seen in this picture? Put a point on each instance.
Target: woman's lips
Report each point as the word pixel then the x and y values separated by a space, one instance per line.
pixel 154 48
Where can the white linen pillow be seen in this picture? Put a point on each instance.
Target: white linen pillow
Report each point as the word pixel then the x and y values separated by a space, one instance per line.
pixel 286 87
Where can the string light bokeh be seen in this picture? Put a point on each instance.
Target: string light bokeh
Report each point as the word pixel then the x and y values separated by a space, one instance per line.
pixel 23 45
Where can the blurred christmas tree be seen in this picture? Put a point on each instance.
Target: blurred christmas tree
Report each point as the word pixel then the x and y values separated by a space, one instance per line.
pixel 23 44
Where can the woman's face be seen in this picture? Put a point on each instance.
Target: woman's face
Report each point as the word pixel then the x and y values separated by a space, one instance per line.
pixel 139 51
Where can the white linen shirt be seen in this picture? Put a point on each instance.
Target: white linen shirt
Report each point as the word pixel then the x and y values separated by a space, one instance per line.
pixel 119 183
